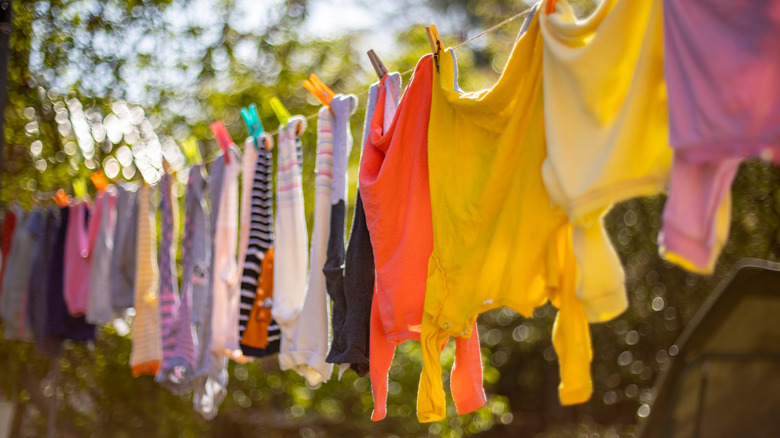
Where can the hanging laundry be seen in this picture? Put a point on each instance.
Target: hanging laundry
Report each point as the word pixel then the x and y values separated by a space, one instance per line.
pixel 37 297
pixel 224 320
pixel 309 337
pixel 290 253
pixel 99 309
pixel 352 302
pixel 169 294
pixel 721 67
pixel 211 377
pixel 606 129
pixel 60 324
pixel 13 301
pixel 177 372
pixel 256 289
pixel 396 198
pixel 123 254
pixel 146 353
pixel 262 336
pixel 79 241
pixel 497 240
pixel 9 223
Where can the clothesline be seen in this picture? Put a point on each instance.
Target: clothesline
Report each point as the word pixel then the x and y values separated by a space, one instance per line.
pixel 406 72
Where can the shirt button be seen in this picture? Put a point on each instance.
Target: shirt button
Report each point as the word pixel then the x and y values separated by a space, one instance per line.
pixel 446 325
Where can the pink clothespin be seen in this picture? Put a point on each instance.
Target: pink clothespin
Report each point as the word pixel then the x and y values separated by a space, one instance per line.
pixel 223 138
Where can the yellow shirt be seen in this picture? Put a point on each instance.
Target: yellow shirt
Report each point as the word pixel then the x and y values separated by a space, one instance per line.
pixel 497 238
pixel 607 130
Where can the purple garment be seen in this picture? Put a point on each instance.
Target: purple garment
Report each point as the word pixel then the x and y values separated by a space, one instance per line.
pixel 722 70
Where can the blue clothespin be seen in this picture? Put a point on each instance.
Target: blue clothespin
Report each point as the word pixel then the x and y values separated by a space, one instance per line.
pixel 253 124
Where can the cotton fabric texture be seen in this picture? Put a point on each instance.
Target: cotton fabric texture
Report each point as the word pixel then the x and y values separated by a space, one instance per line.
pixel 291 253
pixel 721 67
pixel 396 198
pixel 309 338
pixel 352 303
pixel 606 128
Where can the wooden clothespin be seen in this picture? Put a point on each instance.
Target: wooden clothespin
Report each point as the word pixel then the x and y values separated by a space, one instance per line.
pixel 99 180
pixel 279 109
pixel 549 7
pixel 319 89
pixel 435 41
pixel 61 198
pixel 223 138
pixel 379 68
pixel 192 150
pixel 253 124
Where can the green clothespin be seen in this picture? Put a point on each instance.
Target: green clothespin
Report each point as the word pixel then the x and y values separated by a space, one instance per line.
pixel 281 112
pixel 79 188
pixel 191 150
pixel 253 124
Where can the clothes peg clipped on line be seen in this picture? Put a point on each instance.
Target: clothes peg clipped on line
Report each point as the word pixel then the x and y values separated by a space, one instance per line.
pixel 435 41
pixel 282 115
pixel 61 198
pixel 223 138
pixel 379 68
pixel 79 188
pixel 319 90
pixel 253 124
pixel 99 180
pixel 192 150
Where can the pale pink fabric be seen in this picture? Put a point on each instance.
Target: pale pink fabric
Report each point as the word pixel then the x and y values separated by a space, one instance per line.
pixel 722 69
pixel 79 242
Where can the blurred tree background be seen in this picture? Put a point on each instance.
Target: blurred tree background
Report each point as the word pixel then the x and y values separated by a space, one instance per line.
pixel 117 85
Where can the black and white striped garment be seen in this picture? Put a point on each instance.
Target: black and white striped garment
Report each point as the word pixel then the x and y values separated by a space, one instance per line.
pixel 261 237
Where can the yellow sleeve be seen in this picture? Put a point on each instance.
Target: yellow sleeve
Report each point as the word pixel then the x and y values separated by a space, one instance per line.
pixel 571 333
pixel 600 277
pixel 430 394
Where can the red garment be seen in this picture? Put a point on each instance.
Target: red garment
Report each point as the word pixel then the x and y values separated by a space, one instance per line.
pixel 396 198
pixel 5 242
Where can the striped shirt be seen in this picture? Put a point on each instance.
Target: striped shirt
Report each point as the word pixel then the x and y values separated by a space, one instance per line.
pixel 259 239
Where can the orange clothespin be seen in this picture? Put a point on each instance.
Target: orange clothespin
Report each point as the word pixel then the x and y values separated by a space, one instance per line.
pixel 549 7
pixel 319 89
pixel 61 198
pixel 98 178
pixel 435 41
pixel 223 138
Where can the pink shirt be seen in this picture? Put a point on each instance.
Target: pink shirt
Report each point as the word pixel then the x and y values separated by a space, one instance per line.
pixel 79 241
pixel 722 68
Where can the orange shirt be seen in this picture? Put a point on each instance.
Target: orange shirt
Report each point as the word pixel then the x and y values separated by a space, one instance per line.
pixel 397 202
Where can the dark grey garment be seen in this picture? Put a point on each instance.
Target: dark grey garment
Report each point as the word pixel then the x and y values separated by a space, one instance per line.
pixel 351 323
pixel 122 268
pixel 37 300
pixel 17 277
